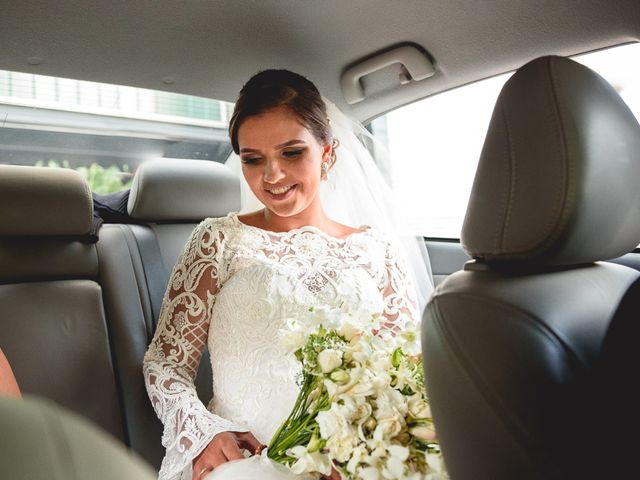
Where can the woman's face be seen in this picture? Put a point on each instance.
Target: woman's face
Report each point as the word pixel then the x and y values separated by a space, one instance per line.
pixel 281 161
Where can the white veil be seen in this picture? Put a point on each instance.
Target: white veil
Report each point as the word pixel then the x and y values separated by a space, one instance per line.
pixel 356 194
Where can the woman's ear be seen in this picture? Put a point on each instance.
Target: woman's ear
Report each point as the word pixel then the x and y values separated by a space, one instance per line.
pixel 326 152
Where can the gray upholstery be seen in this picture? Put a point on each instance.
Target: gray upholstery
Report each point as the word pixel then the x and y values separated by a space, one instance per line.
pixel 177 190
pixel 52 319
pixel 135 264
pixel 559 168
pixel 43 201
pixel 43 441
pixel 55 337
pixel 130 323
pixel 513 344
pixel 46 257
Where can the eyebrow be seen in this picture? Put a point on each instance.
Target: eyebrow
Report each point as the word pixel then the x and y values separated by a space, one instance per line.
pixel 282 145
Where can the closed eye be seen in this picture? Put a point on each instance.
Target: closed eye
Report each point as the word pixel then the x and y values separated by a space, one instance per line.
pixel 250 160
pixel 293 153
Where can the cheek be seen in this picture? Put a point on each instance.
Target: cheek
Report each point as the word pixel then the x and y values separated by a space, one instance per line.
pixel 252 175
pixel 308 171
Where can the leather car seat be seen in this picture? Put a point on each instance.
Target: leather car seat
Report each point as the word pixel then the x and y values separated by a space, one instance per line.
pixel 514 345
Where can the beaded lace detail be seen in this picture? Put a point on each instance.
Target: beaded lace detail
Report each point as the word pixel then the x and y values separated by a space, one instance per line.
pixel 232 288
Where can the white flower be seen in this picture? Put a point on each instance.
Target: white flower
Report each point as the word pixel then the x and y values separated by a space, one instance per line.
pixel 411 340
pixel 340 446
pixel 345 406
pixel 331 422
pixel 293 339
pixel 405 377
pixel 398 451
pixel 349 331
pixel 329 360
pixel 357 456
pixel 369 473
pixel 391 426
pixel 340 377
pixel 418 408
pixel 396 463
pixel 434 460
pixel 363 410
pixel 309 462
pixel 330 318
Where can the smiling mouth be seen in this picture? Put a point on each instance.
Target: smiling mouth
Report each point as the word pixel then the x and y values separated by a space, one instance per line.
pixel 282 192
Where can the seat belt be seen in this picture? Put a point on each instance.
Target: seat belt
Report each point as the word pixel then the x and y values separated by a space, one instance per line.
pixel 155 273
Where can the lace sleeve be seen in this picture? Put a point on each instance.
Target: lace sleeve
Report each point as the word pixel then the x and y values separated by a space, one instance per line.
pixel 398 291
pixel 172 359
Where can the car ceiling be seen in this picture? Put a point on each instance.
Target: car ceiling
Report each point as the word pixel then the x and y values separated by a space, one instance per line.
pixel 210 48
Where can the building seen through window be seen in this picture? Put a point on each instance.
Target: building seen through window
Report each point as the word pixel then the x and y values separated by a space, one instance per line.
pixel 105 131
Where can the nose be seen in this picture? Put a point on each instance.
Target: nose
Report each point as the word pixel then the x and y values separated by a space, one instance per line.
pixel 273 172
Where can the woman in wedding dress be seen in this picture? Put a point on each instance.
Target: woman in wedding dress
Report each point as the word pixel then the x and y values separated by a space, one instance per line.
pixel 240 277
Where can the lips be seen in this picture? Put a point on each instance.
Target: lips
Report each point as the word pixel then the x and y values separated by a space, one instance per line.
pixel 280 193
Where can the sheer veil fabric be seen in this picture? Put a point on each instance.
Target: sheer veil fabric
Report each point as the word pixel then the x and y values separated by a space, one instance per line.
pixel 356 194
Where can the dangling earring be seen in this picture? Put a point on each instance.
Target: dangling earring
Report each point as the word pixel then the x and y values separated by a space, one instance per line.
pixel 325 170
pixel 332 160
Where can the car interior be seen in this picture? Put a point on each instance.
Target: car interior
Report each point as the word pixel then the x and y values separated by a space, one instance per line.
pixel 530 327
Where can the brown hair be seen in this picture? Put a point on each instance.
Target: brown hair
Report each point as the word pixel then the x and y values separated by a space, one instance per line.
pixel 270 89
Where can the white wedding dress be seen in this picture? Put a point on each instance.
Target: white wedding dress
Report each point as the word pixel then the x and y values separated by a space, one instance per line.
pixel 232 289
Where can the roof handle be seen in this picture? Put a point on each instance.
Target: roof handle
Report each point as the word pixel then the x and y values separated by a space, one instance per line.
pixel 414 61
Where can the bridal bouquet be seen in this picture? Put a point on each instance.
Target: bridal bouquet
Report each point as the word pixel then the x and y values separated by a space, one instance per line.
pixel 362 406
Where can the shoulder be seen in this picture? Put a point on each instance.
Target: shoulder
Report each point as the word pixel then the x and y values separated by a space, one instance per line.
pixel 211 232
pixel 216 225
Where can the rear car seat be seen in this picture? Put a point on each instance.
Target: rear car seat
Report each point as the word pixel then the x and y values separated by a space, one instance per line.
pixel 169 197
pixel 52 321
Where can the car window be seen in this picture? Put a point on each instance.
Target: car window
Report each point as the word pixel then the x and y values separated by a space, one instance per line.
pixel 105 131
pixel 435 143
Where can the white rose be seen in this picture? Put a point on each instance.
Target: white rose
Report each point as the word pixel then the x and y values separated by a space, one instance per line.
pixel 340 446
pixel 293 340
pixel 331 423
pixel 329 360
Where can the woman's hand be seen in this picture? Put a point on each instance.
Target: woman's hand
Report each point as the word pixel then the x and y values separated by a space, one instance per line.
pixel 224 447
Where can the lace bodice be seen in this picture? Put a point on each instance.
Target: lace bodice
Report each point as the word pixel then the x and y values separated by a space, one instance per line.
pixel 232 289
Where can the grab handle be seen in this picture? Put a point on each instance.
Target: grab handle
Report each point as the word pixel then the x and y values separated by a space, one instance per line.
pixel 415 62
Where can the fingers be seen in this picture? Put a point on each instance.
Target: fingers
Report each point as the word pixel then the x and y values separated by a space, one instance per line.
pixel 224 447
pixel 231 450
pixel 200 471
pixel 248 441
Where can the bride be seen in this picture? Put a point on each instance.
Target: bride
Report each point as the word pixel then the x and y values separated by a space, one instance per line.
pixel 241 276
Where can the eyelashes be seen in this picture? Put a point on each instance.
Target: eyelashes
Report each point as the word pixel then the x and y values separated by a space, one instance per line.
pixel 288 154
pixel 292 153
